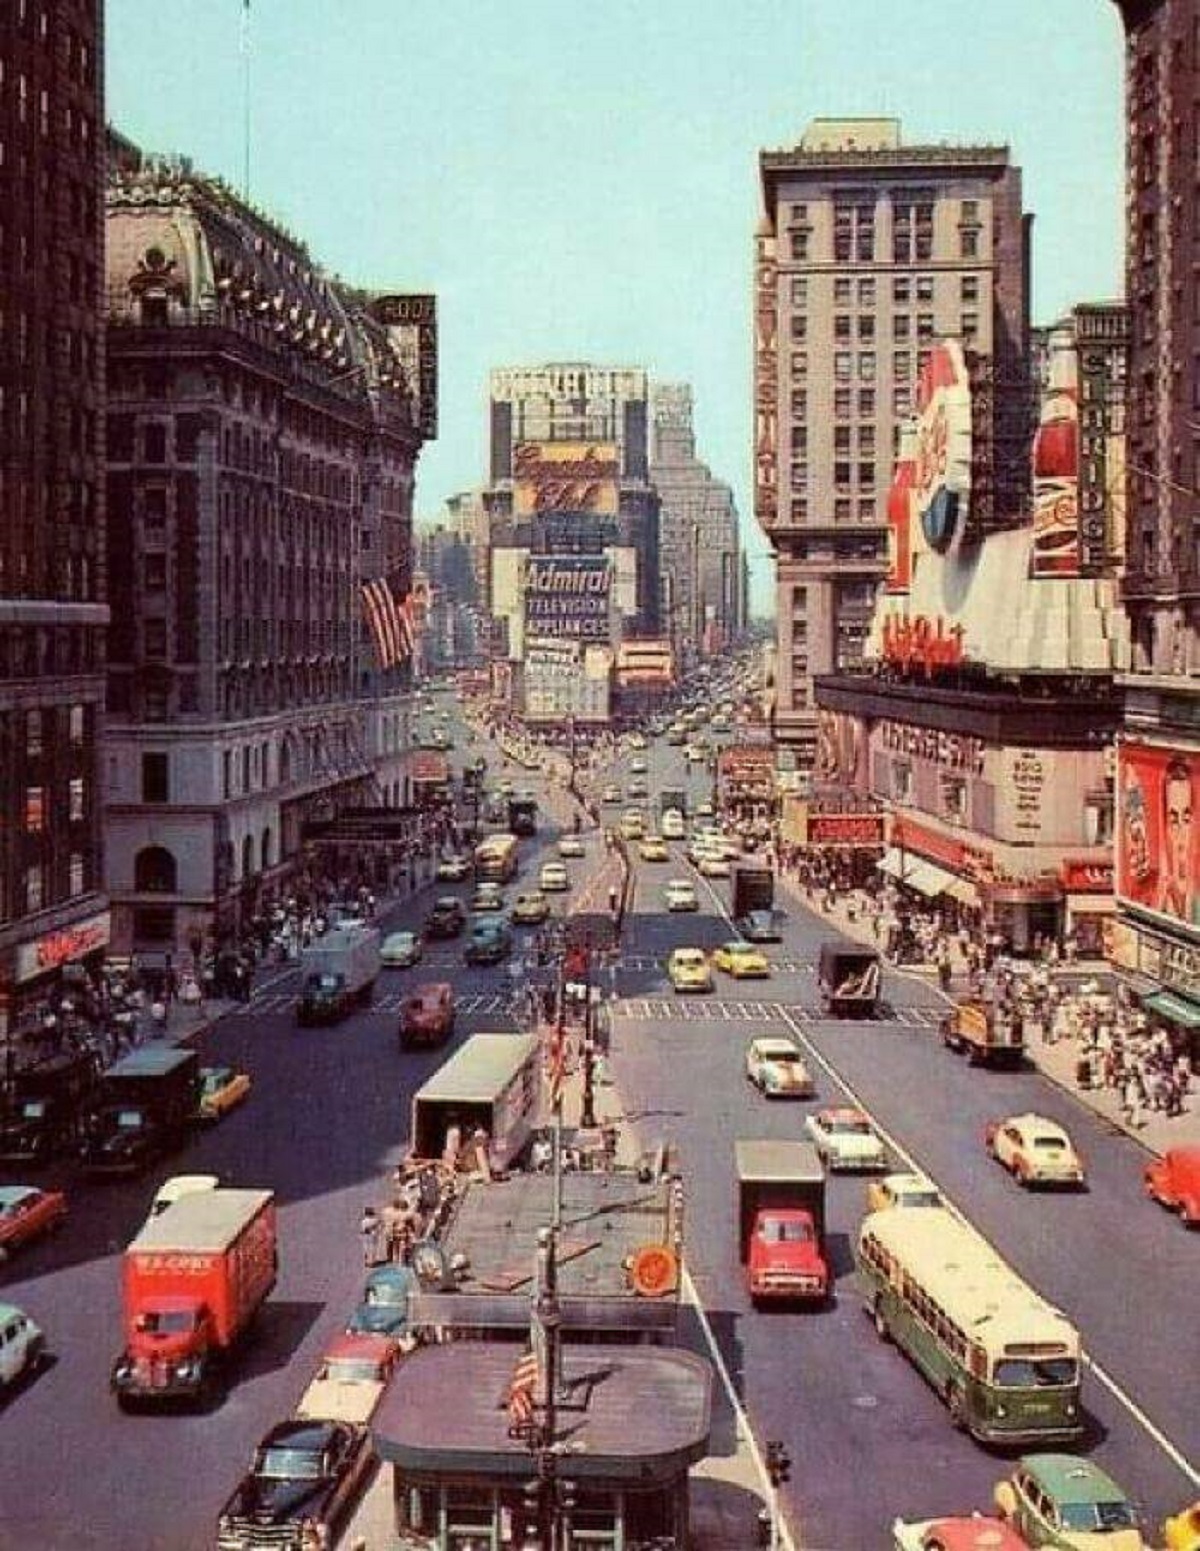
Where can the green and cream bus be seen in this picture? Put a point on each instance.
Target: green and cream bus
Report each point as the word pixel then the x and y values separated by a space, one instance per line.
pixel 1006 1363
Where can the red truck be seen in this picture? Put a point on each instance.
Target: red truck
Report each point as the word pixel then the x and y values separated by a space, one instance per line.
pixel 781 1215
pixel 192 1282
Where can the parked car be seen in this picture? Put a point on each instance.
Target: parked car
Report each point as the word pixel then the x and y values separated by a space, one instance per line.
pixel 384 1307
pixel 453 869
pixel 688 969
pixel 637 767
pixel 22 1344
pixel 776 1068
pixel 26 1212
pixel 1035 1151
pixel 447 918
pixel 351 1379
pixel 530 909
pixel 1067 1502
pixel 300 1488
pixel 846 1139
pixel 680 894
pixel 428 1015
pixel 400 950
pixel 553 878
pixel 222 1088
pixel 611 793
pixel 489 942
pixel 1174 1182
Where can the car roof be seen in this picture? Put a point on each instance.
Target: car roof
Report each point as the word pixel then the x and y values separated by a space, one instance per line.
pixel 10 1195
pixel 771 1042
pixel 360 1343
pixel 680 883
pixel 907 1181
pixel 1070 1479
pixel 1029 1121
pixel 842 1112
pixel 398 936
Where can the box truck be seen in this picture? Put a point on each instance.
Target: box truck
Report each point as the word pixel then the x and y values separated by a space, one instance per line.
pixel 781 1218
pixel 338 972
pixel 143 1107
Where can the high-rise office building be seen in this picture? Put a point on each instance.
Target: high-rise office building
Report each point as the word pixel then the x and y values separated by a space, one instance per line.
pixel 52 580
pixel 870 250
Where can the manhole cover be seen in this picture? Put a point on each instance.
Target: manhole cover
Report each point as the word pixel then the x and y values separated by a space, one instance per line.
pixel 865 1402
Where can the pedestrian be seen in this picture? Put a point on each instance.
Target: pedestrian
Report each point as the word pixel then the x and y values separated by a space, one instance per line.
pixel 370 1229
pixel 158 1017
pixel 613 899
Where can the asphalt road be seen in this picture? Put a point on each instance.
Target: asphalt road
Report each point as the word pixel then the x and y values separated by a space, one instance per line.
pixel 327 1117
pixel 868 1439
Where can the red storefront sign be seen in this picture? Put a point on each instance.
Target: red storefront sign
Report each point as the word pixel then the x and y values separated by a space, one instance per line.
pixel 955 855
pixel 430 769
pixel 845 829
pixel 1082 877
pixel 64 947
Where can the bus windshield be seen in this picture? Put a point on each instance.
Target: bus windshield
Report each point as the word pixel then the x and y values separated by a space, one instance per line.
pixel 1035 1373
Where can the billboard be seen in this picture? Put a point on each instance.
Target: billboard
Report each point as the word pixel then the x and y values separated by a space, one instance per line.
pixel 1158 847
pixel 565 477
pixel 899 511
pixel 569 595
pixel 942 476
pixel 411 322
pixel 1056 550
pixel 649 662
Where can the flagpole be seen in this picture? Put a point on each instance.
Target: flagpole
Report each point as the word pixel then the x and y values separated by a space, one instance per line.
pixel 246 100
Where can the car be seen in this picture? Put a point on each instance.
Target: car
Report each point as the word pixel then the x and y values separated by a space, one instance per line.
pixel 489 942
pixel 637 741
pixel 1181 1532
pixel 972 1533
pixel 637 767
pixel 350 1380
pixel 22 1345
pixel 713 865
pixel 553 878
pixel 846 1140
pixel 178 1186
pixel 653 848
pixel 222 1088
pixel 1035 1151
pixel 902 1190
pixel 300 1489
pixel 633 824
pixel 427 1017
pixel 776 1068
pixel 696 755
pixel 571 845
pixel 400 950
pixel 487 897
pixel 680 894
pixel 26 1212
pixel 676 736
pixel 759 926
pixel 611 793
pixel 447 918
pixel 638 788
pixel 383 1309
pixel 1174 1182
pixel 674 825
pixel 1067 1502
pixel 453 869
pixel 742 960
pixel 700 847
pixel 506 788
pixel 705 810
pixel 530 909
pixel 688 969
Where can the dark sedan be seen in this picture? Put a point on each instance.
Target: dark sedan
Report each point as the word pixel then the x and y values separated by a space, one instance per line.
pixel 446 919
pixel 490 942
pixel 760 926
pixel 299 1490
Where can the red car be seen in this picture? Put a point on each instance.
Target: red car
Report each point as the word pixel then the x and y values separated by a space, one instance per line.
pixel 975 1533
pixel 26 1211
pixel 428 1015
pixel 1174 1182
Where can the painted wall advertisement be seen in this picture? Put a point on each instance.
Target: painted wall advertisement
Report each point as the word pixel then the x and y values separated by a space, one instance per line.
pixel 841 751
pixel 569 595
pixel 411 322
pixel 1158 849
pixel 766 382
pixel 565 477
pixel 1056 466
pixel 942 478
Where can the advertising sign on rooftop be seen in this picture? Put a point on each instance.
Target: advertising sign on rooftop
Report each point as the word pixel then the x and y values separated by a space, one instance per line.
pixel 568 595
pixel 1158 840
pixel 942 480
pixel 565 477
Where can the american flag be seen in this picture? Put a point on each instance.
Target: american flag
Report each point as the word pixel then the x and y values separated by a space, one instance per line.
pixel 389 616
pixel 521 1387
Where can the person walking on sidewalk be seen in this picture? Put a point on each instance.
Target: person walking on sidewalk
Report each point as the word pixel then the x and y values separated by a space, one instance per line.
pixel 370 1230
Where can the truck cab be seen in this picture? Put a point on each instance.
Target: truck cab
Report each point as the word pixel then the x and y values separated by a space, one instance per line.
pixel 781 1212
pixel 785 1256
pixel 987 1035
pixel 42 1113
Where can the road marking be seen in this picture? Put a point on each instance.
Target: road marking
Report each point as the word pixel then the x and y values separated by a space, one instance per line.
pixel 1135 1411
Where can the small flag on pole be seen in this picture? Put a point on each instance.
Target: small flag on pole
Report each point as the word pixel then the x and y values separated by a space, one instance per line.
pixel 521 1389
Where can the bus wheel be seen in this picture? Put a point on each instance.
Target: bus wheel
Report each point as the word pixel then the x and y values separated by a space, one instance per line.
pixel 956 1407
pixel 881 1324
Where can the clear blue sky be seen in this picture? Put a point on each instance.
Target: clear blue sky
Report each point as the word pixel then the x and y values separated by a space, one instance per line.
pixel 580 182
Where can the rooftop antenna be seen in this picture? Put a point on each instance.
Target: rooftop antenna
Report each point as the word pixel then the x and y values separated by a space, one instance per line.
pixel 245 48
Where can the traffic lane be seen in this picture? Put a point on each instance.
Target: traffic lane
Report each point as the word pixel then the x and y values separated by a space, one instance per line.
pixel 867 1438
pixel 1057 1241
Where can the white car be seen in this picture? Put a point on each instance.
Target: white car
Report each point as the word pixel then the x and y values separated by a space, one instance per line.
pixel 713 865
pixel 22 1344
pixel 552 879
pixel 1035 1151
pixel 637 767
pixel 680 894
pixel 673 825
pixel 571 845
pixel 637 741
pixel 776 1068
pixel 845 1139
pixel 453 869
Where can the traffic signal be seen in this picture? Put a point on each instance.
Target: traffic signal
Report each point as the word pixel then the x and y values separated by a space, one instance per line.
pixel 779 1463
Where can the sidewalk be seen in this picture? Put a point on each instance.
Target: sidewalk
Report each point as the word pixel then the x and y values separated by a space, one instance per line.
pixel 1055 1061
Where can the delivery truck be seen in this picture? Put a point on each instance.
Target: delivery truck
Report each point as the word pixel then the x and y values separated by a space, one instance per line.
pixel 142 1109
pixel 338 972
pixel 492 1083
pixel 44 1106
pixel 191 1283
pixel 848 978
pixel 753 889
pixel 989 1035
pixel 781 1221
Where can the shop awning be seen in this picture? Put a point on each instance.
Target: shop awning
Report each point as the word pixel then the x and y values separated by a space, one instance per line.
pixel 895 863
pixel 929 879
pixel 963 891
pixel 1175 1009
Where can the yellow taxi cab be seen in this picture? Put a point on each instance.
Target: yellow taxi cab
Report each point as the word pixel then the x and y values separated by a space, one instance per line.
pixel 688 969
pixel 741 960
pixel 633 824
pixel 221 1089
pixel 654 849
pixel 905 1190
pixel 1181 1532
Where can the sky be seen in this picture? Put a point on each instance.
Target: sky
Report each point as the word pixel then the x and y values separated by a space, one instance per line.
pixel 579 182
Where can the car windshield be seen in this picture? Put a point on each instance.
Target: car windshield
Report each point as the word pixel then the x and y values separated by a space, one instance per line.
pixel 1035 1373
pixel 1099 1518
pixel 289 1465
pixel 919 1198
pixel 165 1322
pixel 1054 1143
pixel 390 1295
pixel 783 1057
pixel 350 1370
pixel 326 982
pixel 774 1231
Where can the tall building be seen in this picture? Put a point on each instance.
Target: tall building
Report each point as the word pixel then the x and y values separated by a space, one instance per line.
pixel 699 549
pixel 264 424
pixel 1158 757
pixel 52 582
pixel 868 251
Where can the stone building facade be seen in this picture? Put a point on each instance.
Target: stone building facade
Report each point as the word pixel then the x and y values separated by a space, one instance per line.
pixel 263 431
pixel 52 561
pixel 868 251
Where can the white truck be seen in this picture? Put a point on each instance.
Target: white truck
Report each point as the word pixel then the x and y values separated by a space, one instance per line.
pixel 338 971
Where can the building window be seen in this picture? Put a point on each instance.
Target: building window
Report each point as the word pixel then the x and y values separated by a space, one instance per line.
pixel 901 323
pixel 800 246
pixel 841 290
pixel 866 365
pixel 76 800
pixel 841 402
pixel 799 476
pixel 970 325
pixel 841 326
pixel 799 402
pixel 799 291
pixel 866 327
pixel 901 290
pixel 924 288
pixel 156 782
pixel 35 810
pixel 35 887
pixel 76 725
pixel 799 326
pixel 841 474
pixel 799 364
pixel 842 365
pixel 924 325
pixel 155 442
pixel 799 438
pixel 866 438
pixel 901 401
pixel 841 510
pixel 954 799
pixel 154 639
pixel 76 875
pixel 227 773
pixel 33 734
pixel 901 365
pixel 970 211
pixel 841 438
pixel 866 293
pixel 154 572
pixel 968 288
pixel 799 212
pixel 800 509
pixel 866 475
pixel 866 509
pixel 154 871
pixel 969 244
pixel 154 509
pixel 902 781
pixel 866 401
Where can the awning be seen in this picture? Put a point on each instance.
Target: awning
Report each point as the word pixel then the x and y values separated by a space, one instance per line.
pixel 963 891
pixel 929 879
pixel 1175 1009
pixel 894 863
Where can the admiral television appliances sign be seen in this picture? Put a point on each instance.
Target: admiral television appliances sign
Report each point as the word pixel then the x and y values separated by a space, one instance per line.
pixel 568 595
